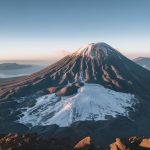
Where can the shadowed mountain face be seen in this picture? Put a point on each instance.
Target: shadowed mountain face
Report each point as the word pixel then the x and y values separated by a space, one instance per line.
pixel 94 63
pixel 143 61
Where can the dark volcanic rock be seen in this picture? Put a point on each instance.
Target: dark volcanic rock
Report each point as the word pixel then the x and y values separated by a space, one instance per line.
pixel 32 142
pixel 12 127
pixel 45 131
pixel 102 132
pixel 53 89
pixel 36 142
pixel 68 90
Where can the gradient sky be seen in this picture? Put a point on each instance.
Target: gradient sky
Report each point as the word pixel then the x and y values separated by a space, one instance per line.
pixel 44 29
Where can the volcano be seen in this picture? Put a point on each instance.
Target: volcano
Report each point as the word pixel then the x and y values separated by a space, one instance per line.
pixel 94 63
pixel 95 83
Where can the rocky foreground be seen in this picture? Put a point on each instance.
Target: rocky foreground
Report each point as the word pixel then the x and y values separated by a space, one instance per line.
pixel 36 142
pixel 32 142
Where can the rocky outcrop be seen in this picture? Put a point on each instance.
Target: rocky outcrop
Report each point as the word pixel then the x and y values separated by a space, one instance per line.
pixel 36 142
pixel 118 145
pixel 133 143
pixel 32 142
pixel 67 90
pixel 85 144
pixel 145 143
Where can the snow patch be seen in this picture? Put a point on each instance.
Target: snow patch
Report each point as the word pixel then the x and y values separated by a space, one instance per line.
pixel 92 102
pixel 93 49
pixel 81 77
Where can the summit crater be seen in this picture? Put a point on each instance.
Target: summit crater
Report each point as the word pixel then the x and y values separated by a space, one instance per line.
pixel 96 50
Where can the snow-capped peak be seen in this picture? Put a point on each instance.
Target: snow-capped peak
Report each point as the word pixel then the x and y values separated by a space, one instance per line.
pixel 95 49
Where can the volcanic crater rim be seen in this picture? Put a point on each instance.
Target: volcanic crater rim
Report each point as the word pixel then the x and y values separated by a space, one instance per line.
pixel 92 50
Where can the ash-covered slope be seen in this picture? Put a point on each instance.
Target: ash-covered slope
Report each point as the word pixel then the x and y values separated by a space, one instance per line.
pixel 94 63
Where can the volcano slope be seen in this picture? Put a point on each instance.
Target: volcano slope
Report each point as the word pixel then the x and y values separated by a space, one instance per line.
pixel 95 91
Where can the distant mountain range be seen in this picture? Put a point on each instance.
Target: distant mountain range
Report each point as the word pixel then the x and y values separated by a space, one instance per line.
pixel 13 70
pixel 12 66
pixel 143 61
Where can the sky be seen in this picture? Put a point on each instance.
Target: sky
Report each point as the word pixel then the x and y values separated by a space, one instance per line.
pixel 50 29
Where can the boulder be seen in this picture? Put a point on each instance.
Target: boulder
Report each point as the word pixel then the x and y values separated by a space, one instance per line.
pixel 117 145
pixel 85 144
